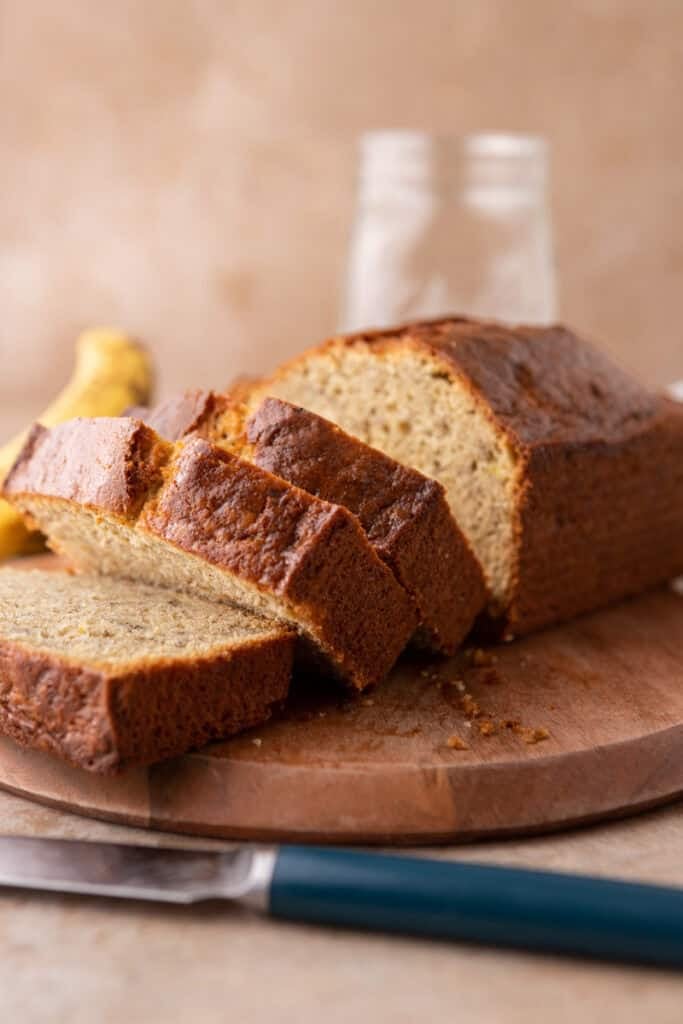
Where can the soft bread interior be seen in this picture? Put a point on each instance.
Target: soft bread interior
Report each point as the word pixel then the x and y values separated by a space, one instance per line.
pixel 94 542
pixel 111 623
pixel 401 403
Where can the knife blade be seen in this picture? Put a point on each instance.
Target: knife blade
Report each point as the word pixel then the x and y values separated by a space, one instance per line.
pixel 135 872
pixel 480 903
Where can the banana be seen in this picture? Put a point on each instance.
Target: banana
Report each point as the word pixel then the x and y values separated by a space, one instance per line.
pixel 111 373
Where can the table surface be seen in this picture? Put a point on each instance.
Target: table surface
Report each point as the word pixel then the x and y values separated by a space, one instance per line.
pixel 67 959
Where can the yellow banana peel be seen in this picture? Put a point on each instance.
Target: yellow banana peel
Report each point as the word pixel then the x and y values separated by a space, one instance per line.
pixel 111 373
pixel 15 537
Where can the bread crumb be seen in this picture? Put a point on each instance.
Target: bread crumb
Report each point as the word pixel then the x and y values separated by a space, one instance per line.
pixel 469 706
pixel 487 727
pixel 531 735
pixel 455 743
pixel 478 656
pixel 257 742
pixel 368 702
pixel 457 683
pixel 321 714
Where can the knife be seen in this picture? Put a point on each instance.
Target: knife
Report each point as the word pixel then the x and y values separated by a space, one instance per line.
pixel 537 910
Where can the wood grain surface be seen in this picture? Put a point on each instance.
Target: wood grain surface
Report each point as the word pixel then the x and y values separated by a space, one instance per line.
pixel 573 724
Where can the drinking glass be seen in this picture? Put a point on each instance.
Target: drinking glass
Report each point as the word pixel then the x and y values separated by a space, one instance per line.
pixel 450 225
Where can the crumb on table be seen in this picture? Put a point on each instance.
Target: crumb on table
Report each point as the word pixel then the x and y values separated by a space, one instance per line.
pixel 532 735
pixel 490 676
pixel 455 743
pixel 469 706
pixel 478 656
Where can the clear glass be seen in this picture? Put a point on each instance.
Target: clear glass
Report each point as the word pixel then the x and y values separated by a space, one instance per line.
pixel 450 225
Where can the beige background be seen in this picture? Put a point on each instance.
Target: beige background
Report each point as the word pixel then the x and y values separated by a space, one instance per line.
pixel 185 167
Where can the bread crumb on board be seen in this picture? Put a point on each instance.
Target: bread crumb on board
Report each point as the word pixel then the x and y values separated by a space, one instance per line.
pixel 478 656
pixel 469 706
pixel 487 725
pixel 489 676
pixel 455 743
pixel 531 736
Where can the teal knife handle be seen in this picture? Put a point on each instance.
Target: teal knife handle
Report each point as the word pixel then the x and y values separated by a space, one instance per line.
pixel 480 903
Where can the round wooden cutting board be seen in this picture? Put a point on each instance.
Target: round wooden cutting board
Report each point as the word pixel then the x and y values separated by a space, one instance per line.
pixel 574 724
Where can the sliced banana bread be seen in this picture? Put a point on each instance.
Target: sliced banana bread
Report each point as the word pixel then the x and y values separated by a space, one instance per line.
pixel 115 499
pixel 565 475
pixel 404 514
pixel 104 672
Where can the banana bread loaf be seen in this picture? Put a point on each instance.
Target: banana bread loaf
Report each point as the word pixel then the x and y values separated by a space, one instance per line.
pixel 104 672
pixel 115 499
pixel 565 475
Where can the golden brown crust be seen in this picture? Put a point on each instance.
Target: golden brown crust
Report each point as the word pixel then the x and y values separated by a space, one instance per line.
pixel 599 521
pixel 112 462
pixel 404 514
pixel 310 555
pixel 102 721
pixel 600 502
pixel 218 417
pixel 180 414
pixel 56 707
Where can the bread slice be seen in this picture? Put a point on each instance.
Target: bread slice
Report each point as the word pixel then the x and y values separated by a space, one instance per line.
pixel 404 514
pixel 179 415
pixel 115 499
pixel 104 672
pixel 565 475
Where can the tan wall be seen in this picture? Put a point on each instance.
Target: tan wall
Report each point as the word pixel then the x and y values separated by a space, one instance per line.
pixel 185 168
